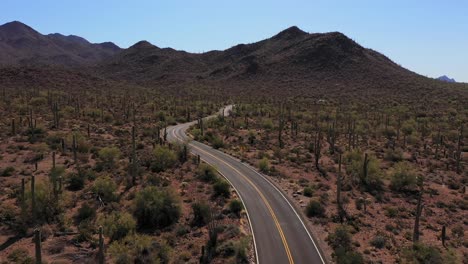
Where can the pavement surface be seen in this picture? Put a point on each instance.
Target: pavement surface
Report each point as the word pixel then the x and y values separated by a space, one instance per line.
pixel 279 234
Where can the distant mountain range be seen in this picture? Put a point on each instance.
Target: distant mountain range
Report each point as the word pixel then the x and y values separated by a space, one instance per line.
pixel 444 78
pixel 290 63
pixel 22 45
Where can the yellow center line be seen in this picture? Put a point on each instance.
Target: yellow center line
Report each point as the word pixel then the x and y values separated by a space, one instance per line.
pixel 275 219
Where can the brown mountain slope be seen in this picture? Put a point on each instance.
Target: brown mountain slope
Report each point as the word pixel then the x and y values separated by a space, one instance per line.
pixel 22 45
pixel 291 63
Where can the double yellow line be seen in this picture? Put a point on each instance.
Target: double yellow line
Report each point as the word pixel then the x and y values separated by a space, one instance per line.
pixel 273 215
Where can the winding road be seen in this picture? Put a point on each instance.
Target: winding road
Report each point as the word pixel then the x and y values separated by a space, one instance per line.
pixel 279 234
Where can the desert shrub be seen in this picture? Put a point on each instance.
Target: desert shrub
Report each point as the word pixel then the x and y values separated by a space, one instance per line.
pixel 348 257
pixel 82 144
pixel 206 173
pixel 20 256
pixel 242 251
pixel 163 159
pixel 340 238
pixel 267 124
pixel 379 241
pixel 139 249
pixel 391 212
pixel 420 253
pixel 201 214
pixel 118 225
pixel 47 206
pixel 85 212
pixel 264 165
pixel 315 209
pixel 217 142
pixel 393 155
pixel 354 161
pixel 227 249
pixel 8 171
pixel 156 208
pixel 105 187
pixel 56 173
pixel 235 206
pixel 403 176
pixel 108 156
pixel 221 188
pixel 75 182
pixel 308 191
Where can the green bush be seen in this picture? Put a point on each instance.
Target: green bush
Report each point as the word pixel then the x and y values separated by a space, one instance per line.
pixel 308 191
pixel 118 225
pixel 163 159
pixel 108 157
pixel 420 253
pixel 105 187
pixel 221 188
pixel 403 176
pixel 379 241
pixel 201 214
pixel 264 165
pixel 75 182
pixel 139 249
pixel 156 208
pixel 206 173
pixel 348 257
pixel 354 161
pixel 236 206
pixel 315 209
pixel 340 238
pixel 20 256
pixel 85 212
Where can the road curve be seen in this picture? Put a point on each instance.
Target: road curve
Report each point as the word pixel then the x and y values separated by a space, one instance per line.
pixel 279 234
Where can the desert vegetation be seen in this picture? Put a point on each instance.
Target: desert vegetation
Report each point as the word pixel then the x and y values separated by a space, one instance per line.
pixel 88 176
pixel 383 181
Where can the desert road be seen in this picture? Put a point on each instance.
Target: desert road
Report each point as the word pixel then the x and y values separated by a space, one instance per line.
pixel 279 234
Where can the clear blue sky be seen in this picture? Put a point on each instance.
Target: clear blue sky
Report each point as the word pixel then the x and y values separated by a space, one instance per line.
pixel 429 37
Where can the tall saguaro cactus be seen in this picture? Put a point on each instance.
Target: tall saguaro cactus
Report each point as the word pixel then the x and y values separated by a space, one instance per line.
pixel 101 246
pixel 460 139
pixel 419 208
pixel 37 242
pixel 33 197
pixel 133 165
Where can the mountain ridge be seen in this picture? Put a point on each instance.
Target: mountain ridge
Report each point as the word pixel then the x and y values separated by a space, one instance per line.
pixel 20 44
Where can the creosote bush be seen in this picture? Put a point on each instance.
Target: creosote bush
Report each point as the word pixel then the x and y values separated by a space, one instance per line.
pixel 264 165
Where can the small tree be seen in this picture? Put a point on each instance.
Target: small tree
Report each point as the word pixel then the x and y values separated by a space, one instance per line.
pixel 156 208
pixel 164 158
pixel 105 187
pixel 403 176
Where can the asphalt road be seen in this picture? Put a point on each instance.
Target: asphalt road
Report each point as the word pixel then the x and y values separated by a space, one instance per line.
pixel 279 234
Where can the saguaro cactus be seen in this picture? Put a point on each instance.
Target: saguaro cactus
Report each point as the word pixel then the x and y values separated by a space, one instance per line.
pixel 33 197
pixel 419 208
pixel 443 235
pixel 37 242
pixel 133 165
pixel 338 192
pixel 460 138
pixel 101 246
